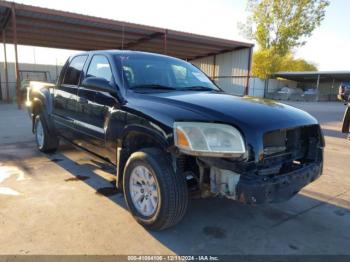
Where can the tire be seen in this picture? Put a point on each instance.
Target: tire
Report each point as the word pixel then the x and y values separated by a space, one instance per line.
pixel 171 189
pixel 346 120
pixel 46 142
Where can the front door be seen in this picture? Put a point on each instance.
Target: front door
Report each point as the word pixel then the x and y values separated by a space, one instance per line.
pixel 93 107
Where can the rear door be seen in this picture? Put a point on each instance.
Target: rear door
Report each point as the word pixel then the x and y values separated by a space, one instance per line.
pixel 65 97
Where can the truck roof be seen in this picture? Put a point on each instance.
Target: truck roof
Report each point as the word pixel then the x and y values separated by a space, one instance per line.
pixel 117 52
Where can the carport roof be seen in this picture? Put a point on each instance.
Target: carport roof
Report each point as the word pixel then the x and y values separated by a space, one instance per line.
pixel 313 75
pixel 38 26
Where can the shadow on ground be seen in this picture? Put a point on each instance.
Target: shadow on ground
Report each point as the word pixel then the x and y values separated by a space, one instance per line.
pixel 103 187
pixel 221 226
pixel 333 133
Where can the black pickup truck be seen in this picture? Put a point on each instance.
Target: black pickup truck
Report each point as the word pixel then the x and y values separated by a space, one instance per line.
pixel 171 132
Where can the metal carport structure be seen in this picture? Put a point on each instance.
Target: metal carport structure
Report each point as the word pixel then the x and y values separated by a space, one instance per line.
pixel 325 79
pixel 36 26
pixel 314 75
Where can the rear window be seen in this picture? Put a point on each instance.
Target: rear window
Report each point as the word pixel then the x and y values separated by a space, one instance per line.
pixel 74 70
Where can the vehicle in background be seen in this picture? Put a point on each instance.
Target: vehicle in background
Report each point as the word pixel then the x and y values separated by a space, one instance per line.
pixel 344 92
pixel 290 91
pixel 169 130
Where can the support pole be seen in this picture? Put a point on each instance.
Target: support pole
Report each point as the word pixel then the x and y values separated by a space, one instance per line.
pixel 165 40
pixel 317 86
pixel 330 91
pixel 266 87
pixel 123 35
pixel 214 67
pixel 5 67
pixel 14 28
pixel 246 90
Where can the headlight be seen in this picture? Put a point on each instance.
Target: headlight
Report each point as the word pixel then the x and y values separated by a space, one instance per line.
pixel 208 139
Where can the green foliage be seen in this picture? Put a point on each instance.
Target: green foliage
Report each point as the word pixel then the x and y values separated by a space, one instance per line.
pixel 278 26
pixel 266 62
pixel 289 63
pixel 281 25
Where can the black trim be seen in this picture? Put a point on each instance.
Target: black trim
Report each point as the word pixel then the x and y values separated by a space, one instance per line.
pixel 263 189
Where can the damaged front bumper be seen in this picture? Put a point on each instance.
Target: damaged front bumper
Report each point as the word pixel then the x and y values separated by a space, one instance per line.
pixel 258 189
pixel 276 188
pixel 284 162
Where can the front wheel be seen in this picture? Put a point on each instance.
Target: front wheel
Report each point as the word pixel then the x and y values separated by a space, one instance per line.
pixel 45 141
pixel 156 196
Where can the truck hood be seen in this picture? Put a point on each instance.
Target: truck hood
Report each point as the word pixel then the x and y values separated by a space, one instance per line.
pixel 249 113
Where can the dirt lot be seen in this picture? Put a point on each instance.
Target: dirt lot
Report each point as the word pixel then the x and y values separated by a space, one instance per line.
pixel 65 203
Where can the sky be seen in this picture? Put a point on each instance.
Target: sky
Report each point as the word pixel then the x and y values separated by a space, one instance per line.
pixel 328 47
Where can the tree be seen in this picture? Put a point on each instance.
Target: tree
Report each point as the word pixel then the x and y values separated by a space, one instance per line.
pixel 281 25
pixel 266 62
pixel 289 63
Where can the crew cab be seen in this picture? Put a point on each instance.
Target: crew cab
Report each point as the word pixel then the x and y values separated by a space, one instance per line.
pixel 171 132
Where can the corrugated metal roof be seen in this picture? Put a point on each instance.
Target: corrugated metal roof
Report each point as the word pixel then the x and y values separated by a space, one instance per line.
pixel 313 75
pixel 59 29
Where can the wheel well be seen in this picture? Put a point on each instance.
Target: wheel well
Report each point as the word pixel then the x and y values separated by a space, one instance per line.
pixel 133 142
pixel 37 108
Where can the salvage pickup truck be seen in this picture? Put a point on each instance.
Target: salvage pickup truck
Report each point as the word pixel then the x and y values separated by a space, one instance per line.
pixel 171 132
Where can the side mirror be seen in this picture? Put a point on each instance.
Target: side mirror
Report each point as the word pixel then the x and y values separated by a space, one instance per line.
pixel 98 84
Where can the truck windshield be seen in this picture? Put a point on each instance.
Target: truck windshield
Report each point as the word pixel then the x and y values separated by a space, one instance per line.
pixel 161 72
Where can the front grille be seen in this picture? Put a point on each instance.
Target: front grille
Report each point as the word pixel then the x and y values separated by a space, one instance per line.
pixel 289 149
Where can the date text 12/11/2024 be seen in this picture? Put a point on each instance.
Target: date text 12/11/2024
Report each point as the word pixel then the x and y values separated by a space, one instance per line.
pixel 173 258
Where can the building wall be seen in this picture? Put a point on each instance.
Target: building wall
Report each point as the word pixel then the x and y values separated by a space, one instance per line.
pixel 206 64
pixel 230 71
pixel 52 73
pixel 257 87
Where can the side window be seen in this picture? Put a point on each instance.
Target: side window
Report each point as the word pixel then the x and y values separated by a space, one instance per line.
pixel 74 69
pixel 99 67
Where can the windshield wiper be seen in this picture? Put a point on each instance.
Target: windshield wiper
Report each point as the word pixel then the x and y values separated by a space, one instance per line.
pixel 153 86
pixel 200 88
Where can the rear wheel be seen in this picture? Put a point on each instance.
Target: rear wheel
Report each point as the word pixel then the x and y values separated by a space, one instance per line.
pixel 156 196
pixel 45 141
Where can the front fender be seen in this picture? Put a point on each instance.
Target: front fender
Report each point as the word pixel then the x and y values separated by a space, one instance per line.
pixel 158 135
pixel 136 136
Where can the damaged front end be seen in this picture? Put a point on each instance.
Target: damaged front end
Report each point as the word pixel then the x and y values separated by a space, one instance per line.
pixel 289 159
